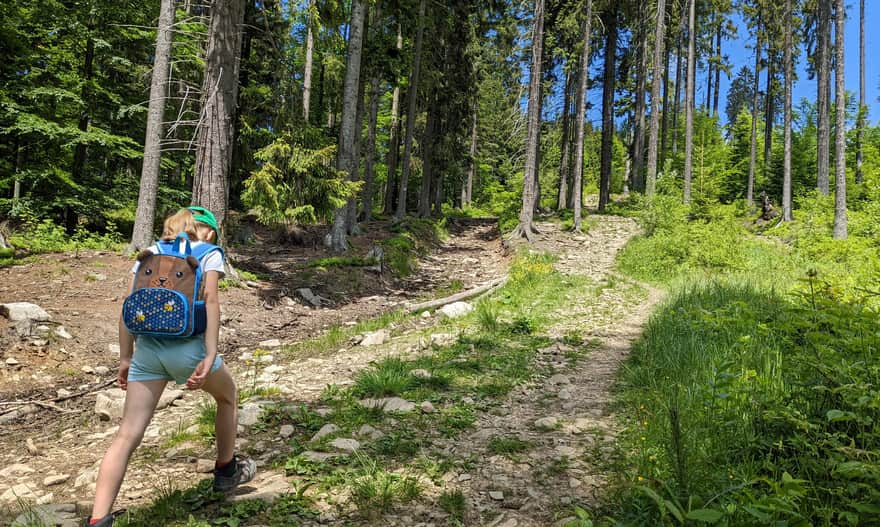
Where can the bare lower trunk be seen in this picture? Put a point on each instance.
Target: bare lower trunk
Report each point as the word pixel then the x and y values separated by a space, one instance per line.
pixel 679 62
pixel 689 104
pixel 580 113
pixel 220 96
pixel 608 86
pixel 533 128
pixel 352 210
pixel 863 109
pixel 840 222
pixel 823 97
pixel 753 142
pixel 659 39
pixel 369 157
pixel 638 150
pixel 393 141
pixel 307 70
pixel 769 112
pixel 467 189
pixel 427 144
pixel 564 159
pixel 412 100
pixel 142 234
pixel 664 125
pixel 786 161
pixel 81 151
pixel 716 95
pixel 345 156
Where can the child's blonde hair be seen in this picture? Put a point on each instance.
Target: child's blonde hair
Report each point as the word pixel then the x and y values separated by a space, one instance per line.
pixel 180 221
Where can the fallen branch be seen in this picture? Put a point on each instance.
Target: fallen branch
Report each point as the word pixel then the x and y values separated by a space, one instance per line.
pixel 458 297
pixel 28 407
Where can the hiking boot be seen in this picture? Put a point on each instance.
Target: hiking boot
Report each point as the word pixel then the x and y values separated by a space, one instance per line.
pixel 244 471
pixel 106 521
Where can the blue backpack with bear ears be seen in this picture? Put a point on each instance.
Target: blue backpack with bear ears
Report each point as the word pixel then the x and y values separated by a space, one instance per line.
pixel 166 297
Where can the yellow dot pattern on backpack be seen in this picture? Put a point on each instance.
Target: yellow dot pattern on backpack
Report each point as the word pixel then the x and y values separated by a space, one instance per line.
pixel 156 312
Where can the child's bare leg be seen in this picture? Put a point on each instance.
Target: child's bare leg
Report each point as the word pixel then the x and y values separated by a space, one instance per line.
pixel 222 388
pixel 140 403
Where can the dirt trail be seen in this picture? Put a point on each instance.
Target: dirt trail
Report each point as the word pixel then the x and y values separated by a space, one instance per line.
pixel 83 292
pixel 565 417
pixel 534 490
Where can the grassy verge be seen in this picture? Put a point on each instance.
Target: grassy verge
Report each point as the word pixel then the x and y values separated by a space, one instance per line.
pixel 402 458
pixel 752 398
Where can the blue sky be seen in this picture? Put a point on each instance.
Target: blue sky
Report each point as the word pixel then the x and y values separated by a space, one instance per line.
pixel 741 54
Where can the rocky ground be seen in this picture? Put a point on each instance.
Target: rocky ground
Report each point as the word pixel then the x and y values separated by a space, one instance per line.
pixel 51 456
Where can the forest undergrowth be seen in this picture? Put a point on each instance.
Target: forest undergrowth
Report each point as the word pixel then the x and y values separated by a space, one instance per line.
pixel 752 397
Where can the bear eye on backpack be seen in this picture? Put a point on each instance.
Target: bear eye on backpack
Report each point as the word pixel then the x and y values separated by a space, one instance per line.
pixel 166 297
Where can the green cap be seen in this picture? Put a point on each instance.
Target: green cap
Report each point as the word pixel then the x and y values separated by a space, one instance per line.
pixel 203 215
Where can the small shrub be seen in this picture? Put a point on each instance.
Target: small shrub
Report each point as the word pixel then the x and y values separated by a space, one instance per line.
pixel 453 503
pixel 388 377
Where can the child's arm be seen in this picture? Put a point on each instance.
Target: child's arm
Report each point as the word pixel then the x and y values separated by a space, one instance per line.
pixel 212 331
pixel 126 350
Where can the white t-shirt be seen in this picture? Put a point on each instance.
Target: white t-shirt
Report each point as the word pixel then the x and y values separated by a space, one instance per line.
pixel 213 261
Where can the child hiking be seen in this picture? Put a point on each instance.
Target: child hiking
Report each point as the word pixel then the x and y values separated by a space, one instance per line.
pixel 151 358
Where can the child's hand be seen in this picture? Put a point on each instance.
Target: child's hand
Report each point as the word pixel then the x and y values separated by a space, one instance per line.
pixel 122 374
pixel 197 379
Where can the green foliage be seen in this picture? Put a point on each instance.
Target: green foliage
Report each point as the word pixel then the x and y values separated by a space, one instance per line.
pixel 377 490
pixel 453 503
pixel 413 238
pixel 295 183
pixel 47 237
pixel 389 377
pixel 342 261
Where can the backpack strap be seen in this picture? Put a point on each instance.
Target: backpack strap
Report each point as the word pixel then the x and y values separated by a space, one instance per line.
pixel 180 246
pixel 203 249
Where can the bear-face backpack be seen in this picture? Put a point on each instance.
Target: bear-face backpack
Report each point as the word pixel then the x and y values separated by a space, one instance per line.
pixel 166 297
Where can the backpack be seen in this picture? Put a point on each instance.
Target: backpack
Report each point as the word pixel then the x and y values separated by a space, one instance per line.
pixel 166 298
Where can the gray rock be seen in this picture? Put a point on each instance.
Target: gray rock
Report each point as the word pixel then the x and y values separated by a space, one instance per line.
pixel 427 407
pixel 326 430
pixel 249 414
pixel 376 338
pixel 63 393
pixel 565 394
pixel 346 444
pixel 558 379
pixel 56 479
pixel 87 477
pixel 311 298
pixel 390 404
pixel 102 370
pixel 421 374
pixel 114 348
pixel 546 423
pixel 443 339
pixel 204 466
pixel 369 431
pixel 271 343
pixel 12 361
pixel 286 431
pixel 50 515
pixel 24 316
pixel 267 490
pixel 317 457
pixel 496 495
pixel 17 469
pixel 62 333
pixel 456 309
pixel 109 404
pixel 88 369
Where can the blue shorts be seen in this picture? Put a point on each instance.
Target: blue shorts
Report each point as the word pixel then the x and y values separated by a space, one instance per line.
pixel 157 359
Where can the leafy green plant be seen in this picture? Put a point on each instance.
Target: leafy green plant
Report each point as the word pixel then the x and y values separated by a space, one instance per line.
pixel 388 377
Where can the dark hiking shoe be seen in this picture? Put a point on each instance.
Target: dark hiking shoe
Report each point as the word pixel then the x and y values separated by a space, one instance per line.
pixel 106 521
pixel 244 471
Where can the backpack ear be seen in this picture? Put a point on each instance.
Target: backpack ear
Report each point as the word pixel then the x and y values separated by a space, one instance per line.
pixel 143 255
pixel 193 263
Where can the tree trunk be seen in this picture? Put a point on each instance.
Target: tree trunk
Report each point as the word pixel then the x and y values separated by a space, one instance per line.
pixel 144 218
pixel 769 112
pixel 467 189
pixel 679 55
pixel 220 96
pixel 786 178
pixel 526 228
pixel 369 157
pixel 427 146
pixel 753 142
pixel 664 128
pixel 823 97
pixel 352 210
pixel 580 113
pixel 345 155
pixel 840 230
pixel 716 97
pixel 564 160
pixel 638 150
pixel 412 100
pixel 608 84
pixel 659 39
pixel 81 151
pixel 863 109
pixel 393 141
pixel 307 70
pixel 689 103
